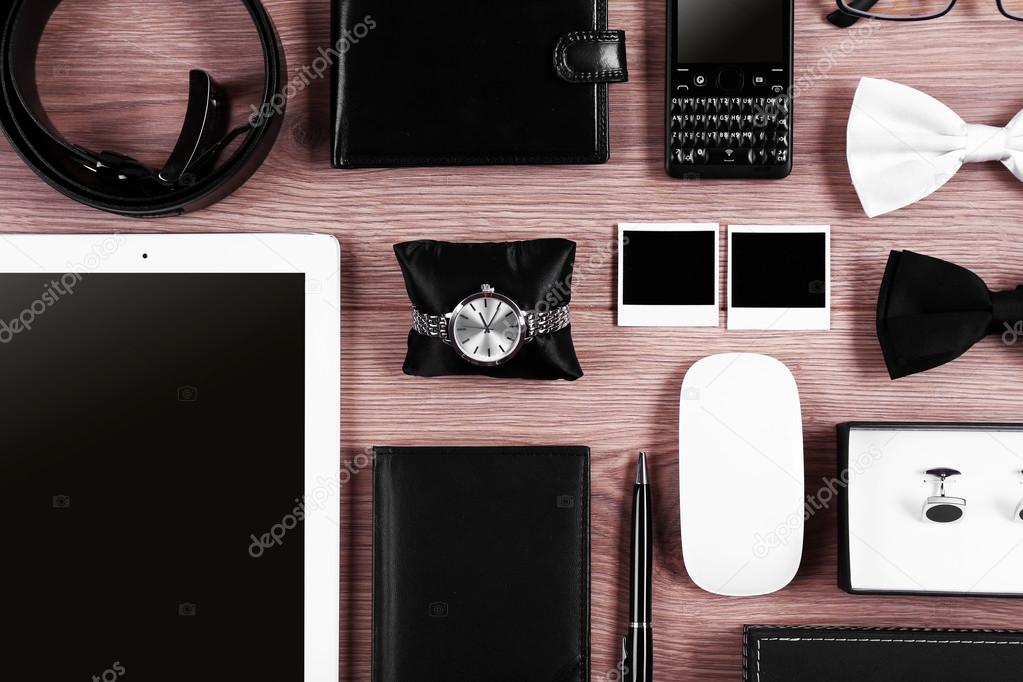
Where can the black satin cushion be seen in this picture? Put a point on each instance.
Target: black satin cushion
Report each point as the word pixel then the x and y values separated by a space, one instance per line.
pixel 474 82
pixel 536 274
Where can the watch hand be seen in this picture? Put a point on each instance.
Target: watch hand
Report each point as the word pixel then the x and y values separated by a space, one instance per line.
pixel 469 326
pixel 484 321
pixel 495 315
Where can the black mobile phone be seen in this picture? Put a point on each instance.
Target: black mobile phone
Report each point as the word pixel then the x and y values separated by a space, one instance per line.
pixel 729 82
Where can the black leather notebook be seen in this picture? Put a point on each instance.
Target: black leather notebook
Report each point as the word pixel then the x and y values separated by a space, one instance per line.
pixel 481 564
pixel 856 654
pixel 466 82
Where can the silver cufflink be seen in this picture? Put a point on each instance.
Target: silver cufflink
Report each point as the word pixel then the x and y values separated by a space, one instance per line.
pixel 943 509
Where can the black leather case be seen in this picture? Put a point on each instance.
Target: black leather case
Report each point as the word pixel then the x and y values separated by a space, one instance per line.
pixel 468 82
pixel 536 274
pixel 481 564
pixel 813 654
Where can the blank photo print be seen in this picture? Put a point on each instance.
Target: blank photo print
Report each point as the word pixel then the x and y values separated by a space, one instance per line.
pixel 668 275
pixel 779 277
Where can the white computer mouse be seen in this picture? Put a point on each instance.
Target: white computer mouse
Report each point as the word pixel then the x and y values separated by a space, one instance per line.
pixel 741 474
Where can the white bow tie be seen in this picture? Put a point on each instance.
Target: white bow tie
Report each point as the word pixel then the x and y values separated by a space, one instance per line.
pixel 903 145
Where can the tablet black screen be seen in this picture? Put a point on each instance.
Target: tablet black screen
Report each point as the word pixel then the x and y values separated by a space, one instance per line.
pixel 153 425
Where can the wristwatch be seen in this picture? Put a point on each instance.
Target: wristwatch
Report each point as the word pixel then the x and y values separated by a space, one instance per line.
pixel 488 328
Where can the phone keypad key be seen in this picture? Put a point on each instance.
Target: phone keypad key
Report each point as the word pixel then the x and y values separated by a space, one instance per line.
pixel 730 130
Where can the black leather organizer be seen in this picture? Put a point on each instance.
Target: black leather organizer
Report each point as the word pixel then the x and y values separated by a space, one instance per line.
pixel 814 654
pixel 481 564
pixel 536 273
pixel 464 82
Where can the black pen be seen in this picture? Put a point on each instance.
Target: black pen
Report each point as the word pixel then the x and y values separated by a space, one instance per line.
pixel 638 645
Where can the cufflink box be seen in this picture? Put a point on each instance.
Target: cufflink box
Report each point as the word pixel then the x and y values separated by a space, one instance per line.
pixel 777 653
pixel 886 479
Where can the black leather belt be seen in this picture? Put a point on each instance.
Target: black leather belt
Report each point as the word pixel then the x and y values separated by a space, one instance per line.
pixel 191 178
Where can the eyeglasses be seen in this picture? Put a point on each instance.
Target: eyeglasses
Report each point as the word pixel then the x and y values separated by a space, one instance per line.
pixel 851 11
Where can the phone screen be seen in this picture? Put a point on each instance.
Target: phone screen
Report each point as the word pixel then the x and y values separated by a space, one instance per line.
pixel 730 31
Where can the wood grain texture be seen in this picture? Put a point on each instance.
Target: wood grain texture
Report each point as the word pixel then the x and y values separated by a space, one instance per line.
pixel 114 76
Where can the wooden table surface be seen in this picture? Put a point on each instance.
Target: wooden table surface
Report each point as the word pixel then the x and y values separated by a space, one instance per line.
pixel 114 76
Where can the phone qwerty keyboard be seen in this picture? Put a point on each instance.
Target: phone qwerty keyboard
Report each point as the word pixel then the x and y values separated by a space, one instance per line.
pixel 730 130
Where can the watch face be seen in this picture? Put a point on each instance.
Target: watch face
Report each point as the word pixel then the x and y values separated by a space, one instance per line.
pixel 487 329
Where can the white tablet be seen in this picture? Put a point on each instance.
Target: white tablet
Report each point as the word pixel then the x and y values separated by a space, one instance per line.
pixel 170 411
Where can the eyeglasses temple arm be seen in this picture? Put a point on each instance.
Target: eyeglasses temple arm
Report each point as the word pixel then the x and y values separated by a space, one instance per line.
pixel 844 19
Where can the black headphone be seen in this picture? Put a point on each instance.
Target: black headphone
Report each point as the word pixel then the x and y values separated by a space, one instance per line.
pixel 190 179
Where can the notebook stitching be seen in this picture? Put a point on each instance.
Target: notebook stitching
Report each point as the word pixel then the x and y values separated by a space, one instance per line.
pixel 874 641
pixel 603 37
pixel 374 648
pixel 602 106
pixel 584 545
pixel 561 54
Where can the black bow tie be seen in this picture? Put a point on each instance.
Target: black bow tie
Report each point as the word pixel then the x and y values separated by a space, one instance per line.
pixel 930 312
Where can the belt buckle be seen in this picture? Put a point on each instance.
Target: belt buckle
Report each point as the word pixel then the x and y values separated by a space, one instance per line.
pixel 113 166
pixel 121 168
